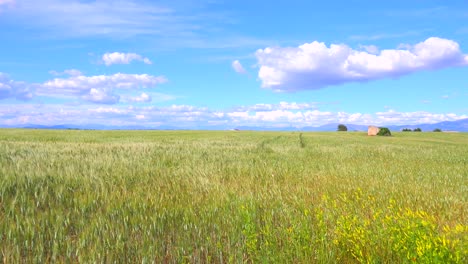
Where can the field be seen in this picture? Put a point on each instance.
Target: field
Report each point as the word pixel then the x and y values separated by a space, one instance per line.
pixel 232 196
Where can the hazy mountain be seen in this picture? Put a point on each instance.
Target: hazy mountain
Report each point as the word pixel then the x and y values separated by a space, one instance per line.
pixel 459 125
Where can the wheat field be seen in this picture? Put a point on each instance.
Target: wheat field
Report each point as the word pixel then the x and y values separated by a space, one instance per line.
pixel 232 197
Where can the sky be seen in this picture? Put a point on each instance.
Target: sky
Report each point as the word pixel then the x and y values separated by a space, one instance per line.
pixel 226 64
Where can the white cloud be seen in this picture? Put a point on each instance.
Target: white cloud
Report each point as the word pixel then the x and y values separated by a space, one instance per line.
pixel 315 66
pixel 108 110
pixel 370 48
pixel 123 58
pixel 280 106
pixel 147 97
pixel 304 118
pixel 13 89
pixel 97 89
pixel 410 118
pixel 101 96
pixel 237 66
pixel 100 88
pixel 77 84
pixel 186 116
pixel 143 98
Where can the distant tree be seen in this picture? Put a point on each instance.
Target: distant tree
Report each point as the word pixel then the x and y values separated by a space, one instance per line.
pixel 437 130
pixel 384 132
pixel 406 130
pixel 342 127
pixel 417 130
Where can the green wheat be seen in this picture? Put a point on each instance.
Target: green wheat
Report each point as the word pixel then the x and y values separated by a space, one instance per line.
pixel 219 196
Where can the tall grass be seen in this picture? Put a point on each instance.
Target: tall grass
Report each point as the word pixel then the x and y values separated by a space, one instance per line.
pixel 210 196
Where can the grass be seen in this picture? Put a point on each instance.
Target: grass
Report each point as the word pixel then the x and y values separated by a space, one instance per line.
pixel 230 197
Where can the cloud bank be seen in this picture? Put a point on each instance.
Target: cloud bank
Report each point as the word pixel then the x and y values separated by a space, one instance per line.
pixel 282 115
pixel 315 66
pixel 123 58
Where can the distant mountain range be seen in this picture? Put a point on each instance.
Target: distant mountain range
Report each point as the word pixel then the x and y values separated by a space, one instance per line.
pixel 459 125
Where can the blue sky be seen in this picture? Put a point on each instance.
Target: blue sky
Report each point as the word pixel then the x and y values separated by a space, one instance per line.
pixel 225 64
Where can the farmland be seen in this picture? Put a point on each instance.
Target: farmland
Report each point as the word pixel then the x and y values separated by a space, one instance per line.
pixel 232 196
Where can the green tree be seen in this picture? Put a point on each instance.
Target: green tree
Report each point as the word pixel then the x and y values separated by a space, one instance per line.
pixel 437 130
pixel 417 130
pixel 384 132
pixel 342 127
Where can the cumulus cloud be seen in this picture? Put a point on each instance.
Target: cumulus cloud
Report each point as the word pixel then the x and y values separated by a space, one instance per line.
pixel 315 66
pixel 76 84
pixel 237 66
pixel 100 88
pixel 96 89
pixel 123 58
